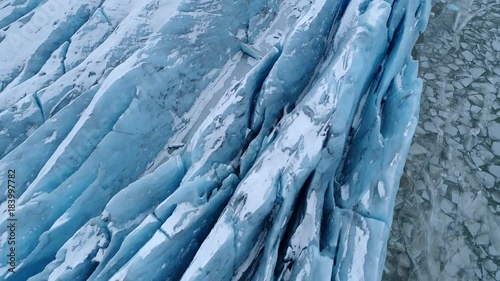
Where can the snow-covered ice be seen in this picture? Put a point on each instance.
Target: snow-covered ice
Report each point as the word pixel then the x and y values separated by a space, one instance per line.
pixel 208 140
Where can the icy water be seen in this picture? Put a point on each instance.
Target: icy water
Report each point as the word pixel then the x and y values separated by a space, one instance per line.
pixel 447 220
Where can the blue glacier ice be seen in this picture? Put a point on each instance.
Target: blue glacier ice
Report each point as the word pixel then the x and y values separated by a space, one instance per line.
pixel 205 140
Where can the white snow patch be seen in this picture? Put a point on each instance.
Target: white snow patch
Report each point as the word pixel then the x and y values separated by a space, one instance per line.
pixel 182 216
pixel 157 239
pixel 381 189
pixel 62 220
pixel 344 192
pixel 360 250
pixel 221 234
pixel 51 138
pixel 77 250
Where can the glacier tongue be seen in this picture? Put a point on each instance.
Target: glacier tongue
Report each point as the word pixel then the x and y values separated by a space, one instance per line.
pixel 205 140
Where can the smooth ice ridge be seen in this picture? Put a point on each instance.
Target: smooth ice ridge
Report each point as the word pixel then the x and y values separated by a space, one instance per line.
pixel 205 140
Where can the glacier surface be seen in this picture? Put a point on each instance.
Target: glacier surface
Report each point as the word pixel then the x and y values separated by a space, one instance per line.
pixel 205 140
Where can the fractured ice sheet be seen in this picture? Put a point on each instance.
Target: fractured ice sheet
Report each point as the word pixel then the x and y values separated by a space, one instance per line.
pixel 447 212
pixel 206 140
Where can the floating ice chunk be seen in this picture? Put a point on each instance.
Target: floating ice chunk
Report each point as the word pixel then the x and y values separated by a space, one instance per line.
pixel 453 7
pixel 468 55
pixel 494 131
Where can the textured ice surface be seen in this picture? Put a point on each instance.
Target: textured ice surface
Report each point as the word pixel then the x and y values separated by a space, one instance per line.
pixel 205 140
pixel 447 217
